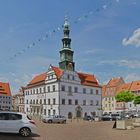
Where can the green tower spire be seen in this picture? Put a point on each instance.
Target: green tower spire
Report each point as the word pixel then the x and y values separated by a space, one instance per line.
pixel 66 54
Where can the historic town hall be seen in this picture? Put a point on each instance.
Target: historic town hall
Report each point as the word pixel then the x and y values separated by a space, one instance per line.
pixel 62 90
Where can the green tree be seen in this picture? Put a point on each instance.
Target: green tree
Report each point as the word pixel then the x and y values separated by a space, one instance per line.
pixel 137 100
pixel 124 96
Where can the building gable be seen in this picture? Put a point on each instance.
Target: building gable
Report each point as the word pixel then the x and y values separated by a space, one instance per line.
pixel 5 89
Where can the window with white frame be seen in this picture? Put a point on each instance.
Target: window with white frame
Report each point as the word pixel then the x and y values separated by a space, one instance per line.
pixel 97 102
pixel 63 88
pixel 40 90
pixel 49 101
pixel 53 88
pixel 97 92
pixel 44 101
pixel 76 89
pixel 44 89
pixel 54 101
pixel 84 90
pixel 69 89
pixel 49 112
pixel 48 88
pixel 91 102
pixel 84 102
pixel 70 102
pixel 63 101
pixel 76 102
pixel 91 91
pixel 54 112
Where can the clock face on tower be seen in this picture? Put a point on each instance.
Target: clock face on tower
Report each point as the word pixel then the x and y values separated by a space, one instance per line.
pixel 63 57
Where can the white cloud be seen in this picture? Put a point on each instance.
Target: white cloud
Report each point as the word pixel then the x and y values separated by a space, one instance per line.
pixel 130 64
pixel 104 6
pixel 132 77
pixel 133 40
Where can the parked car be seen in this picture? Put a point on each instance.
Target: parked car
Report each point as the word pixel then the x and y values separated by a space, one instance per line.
pixel 137 115
pixel 15 122
pixel 54 119
pixel 115 117
pixel 106 117
pixel 111 117
pixel 129 115
pixel 88 118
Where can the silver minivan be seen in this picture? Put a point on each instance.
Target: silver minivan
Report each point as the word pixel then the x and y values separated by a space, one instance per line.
pixel 15 122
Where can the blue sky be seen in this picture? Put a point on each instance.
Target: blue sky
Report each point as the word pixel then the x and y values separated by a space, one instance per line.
pixel 105 38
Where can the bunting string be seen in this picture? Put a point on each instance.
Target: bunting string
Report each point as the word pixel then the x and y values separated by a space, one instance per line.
pixel 59 28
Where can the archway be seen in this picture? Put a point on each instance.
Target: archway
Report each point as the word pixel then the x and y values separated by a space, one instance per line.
pixel 78 112
pixel 69 115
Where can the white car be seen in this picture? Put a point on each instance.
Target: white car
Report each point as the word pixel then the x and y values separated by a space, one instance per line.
pixel 15 122
pixel 54 119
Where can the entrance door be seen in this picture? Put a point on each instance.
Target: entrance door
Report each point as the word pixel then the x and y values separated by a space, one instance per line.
pixel 78 112
pixel 69 115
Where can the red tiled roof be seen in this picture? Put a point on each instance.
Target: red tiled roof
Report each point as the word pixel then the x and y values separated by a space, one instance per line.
pixel 41 77
pixel 124 87
pixel 114 82
pixel 88 79
pixel 135 86
pixel 103 90
pixel 38 78
pixel 57 71
pixel 111 88
pixel 5 89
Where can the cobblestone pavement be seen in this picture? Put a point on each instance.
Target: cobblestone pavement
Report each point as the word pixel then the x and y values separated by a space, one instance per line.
pixel 84 130
pixel 81 130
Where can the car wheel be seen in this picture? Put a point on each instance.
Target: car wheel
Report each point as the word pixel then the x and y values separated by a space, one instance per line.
pixel 25 132
pixel 49 121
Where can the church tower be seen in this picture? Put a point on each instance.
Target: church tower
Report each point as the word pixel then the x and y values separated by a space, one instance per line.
pixel 66 54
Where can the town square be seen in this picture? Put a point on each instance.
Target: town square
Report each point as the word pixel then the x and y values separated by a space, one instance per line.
pixel 70 70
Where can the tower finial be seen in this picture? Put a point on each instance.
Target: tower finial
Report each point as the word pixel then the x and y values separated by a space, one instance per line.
pixel 66 23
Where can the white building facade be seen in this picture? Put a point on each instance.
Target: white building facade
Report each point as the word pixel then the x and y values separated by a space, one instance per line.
pixel 5 96
pixel 18 101
pixel 62 90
